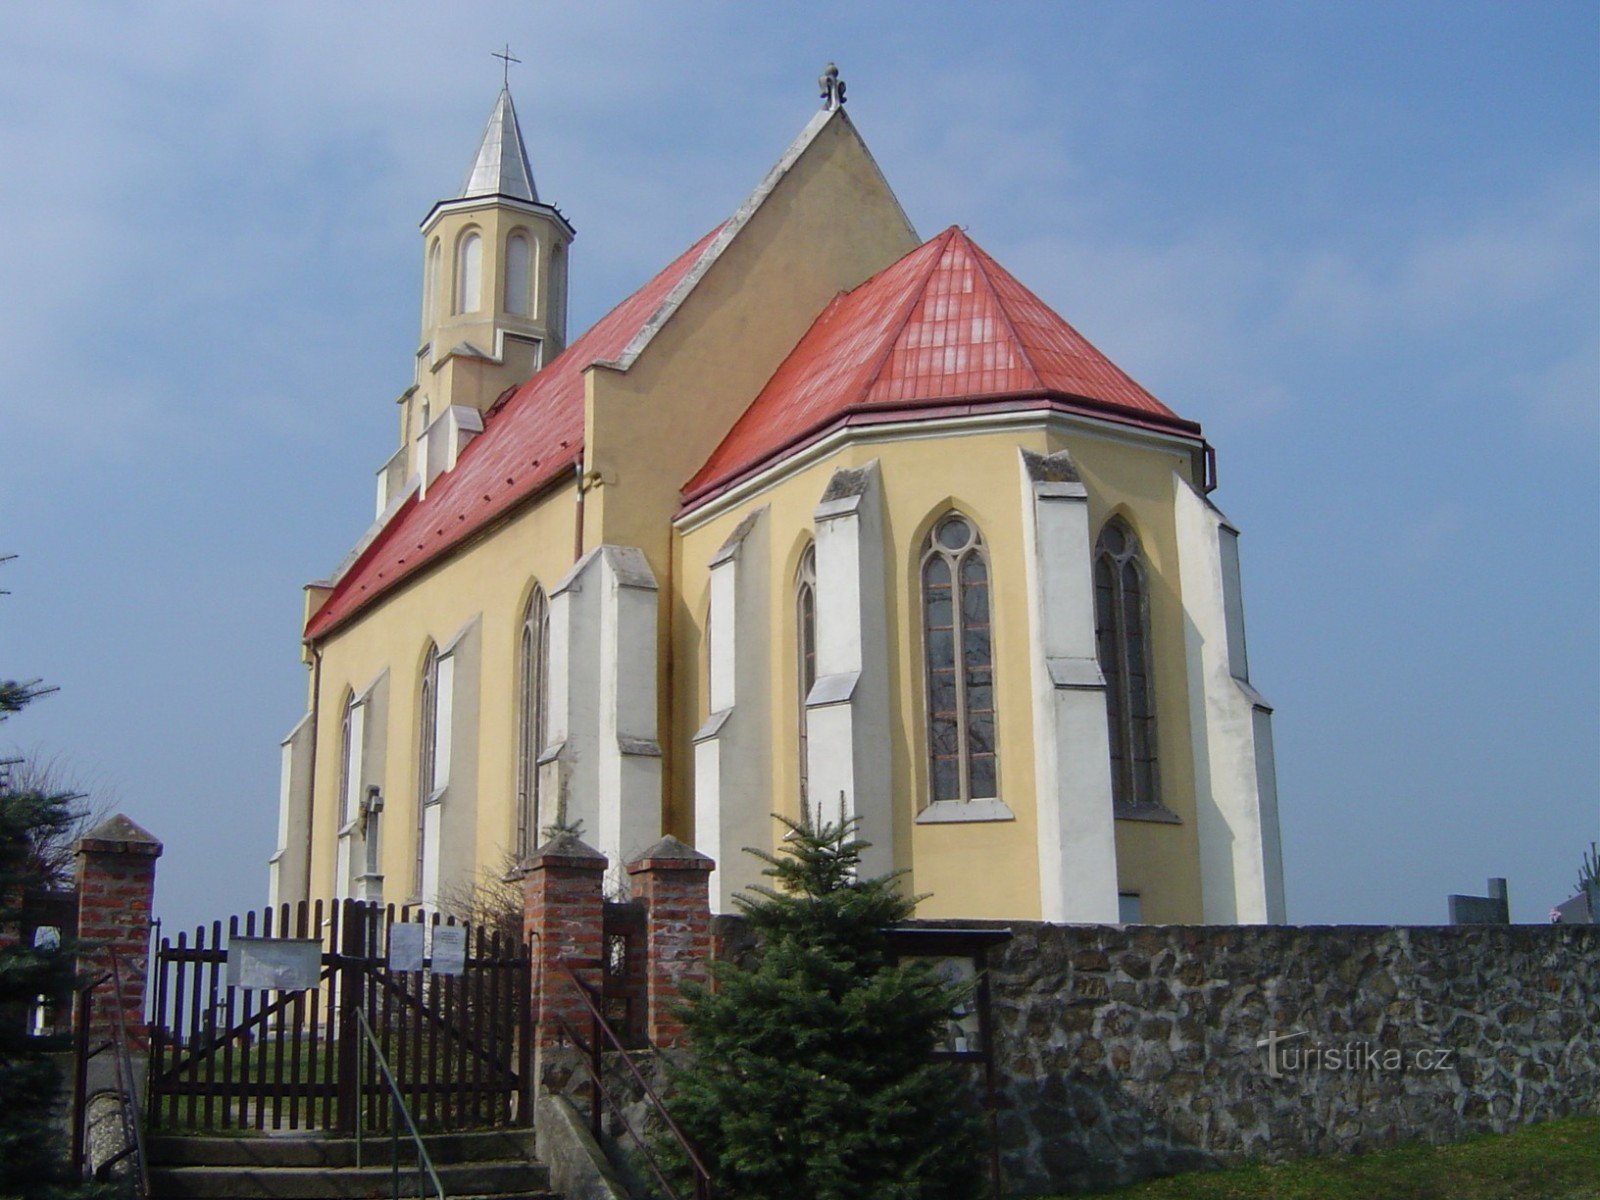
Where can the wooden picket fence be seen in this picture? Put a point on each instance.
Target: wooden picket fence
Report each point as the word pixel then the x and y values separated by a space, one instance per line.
pixel 227 1056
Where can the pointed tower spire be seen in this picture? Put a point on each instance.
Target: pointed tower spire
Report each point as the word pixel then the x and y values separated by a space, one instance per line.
pixel 501 165
pixel 494 299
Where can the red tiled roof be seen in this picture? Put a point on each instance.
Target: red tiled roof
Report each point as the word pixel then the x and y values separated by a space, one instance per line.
pixel 944 329
pixel 528 440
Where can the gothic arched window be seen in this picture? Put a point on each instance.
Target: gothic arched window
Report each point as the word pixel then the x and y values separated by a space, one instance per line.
pixel 469 274
pixel 427 752
pixel 533 690
pixel 962 752
pixel 805 624
pixel 430 286
pixel 519 275
pixel 348 764
pixel 1122 637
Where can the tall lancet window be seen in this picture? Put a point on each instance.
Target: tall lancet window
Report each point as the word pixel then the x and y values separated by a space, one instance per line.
pixel 1122 635
pixel 427 758
pixel 533 691
pixel 805 625
pixel 962 755
pixel 469 274
pixel 430 285
pixel 519 276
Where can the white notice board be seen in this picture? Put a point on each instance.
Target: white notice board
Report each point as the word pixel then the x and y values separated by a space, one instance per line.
pixel 405 946
pixel 449 949
pixel 274 964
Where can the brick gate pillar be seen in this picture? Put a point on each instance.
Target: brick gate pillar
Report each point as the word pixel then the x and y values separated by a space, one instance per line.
pixel 563 889
pixel 116 888
pixel 673 880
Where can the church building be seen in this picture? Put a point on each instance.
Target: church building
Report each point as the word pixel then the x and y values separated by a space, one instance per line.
pixel 826 516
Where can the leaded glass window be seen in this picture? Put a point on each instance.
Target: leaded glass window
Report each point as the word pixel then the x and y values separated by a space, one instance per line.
pixel 963 761
pixel 427 750
pixel 805 614
pixel 1122 636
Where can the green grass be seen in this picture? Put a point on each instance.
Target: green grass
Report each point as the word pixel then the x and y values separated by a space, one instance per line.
pixel 1555 1160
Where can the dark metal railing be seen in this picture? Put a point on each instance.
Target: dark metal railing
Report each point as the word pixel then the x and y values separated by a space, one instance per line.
pixel 128 1103
pixel 398 1112
pixel 600 1035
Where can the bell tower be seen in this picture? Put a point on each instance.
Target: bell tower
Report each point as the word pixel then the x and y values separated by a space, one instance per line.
pixel 494 284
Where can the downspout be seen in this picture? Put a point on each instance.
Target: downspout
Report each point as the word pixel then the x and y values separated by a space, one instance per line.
pixel 577 525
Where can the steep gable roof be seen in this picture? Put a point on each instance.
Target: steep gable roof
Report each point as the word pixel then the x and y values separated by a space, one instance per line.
pixel 529 440
pixel 946 327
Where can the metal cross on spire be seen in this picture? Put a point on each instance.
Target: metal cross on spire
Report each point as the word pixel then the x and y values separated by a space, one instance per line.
pixel 506 59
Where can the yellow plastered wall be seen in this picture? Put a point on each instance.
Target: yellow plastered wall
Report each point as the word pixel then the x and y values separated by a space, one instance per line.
pixel 981 869
pixel 649 429
pixel 490 579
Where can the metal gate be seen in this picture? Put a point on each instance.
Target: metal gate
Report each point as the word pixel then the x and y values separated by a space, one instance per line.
pixel 456 1035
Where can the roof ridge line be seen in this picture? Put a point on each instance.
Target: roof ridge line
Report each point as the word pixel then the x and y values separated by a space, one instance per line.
pixel 1078 333
pixel 904 318
pixel 981 259
pixel 726 232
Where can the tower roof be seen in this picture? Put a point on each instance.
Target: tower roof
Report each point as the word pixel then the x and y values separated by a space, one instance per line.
pixel 501 165
pixel 945 328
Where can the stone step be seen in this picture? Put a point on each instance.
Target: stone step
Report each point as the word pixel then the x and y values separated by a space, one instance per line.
pixel 491 1179
pixel 320 1150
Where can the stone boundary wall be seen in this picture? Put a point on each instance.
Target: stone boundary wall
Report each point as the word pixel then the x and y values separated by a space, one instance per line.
pixel 1129 1051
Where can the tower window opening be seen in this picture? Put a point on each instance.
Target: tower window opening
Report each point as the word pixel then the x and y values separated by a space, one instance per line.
pixel 469 274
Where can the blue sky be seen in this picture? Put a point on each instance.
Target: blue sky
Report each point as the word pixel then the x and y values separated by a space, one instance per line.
pixel 1359 242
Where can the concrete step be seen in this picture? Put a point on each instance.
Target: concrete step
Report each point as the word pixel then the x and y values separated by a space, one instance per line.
pixel 494 1179
pixel 318 1150
pixel 488 1165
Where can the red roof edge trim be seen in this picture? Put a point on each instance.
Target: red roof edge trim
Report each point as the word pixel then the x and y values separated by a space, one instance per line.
pixel 558 473
pixel 1040 399
pixel 383 538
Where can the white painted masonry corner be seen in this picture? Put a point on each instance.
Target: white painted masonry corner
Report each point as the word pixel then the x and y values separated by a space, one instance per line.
pixel 1072 749
pixel 733 749
pixel 847 713
pixel 1236 792
pixel 602 762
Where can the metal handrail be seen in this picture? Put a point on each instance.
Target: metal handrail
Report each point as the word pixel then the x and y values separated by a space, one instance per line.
pixel 130 1107
pixel 132 1129
pixel 425 1169
pixel 593 1063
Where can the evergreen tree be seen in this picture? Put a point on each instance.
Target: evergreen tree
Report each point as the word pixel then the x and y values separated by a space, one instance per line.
pixel 810 1076
pixel 33 1161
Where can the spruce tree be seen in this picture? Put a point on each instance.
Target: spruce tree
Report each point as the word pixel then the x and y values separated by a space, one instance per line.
pixel 810 1076
pixel 33 1160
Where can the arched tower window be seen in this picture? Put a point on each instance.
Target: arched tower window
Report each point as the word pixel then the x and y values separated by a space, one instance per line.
pixel 805 624
pixel 469 274
pixel 430 286
pixel 533 690
pixel 519 276
pixel 427 751
pixel 963 758
pixel 1122 636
